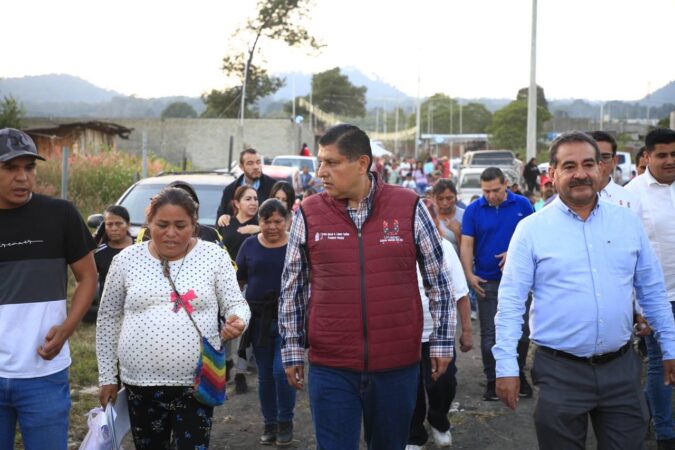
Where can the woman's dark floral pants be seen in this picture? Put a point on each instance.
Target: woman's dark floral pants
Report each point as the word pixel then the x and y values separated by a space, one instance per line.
pixel 155 412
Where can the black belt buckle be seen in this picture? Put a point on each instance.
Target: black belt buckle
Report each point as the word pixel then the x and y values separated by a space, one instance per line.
pixel 597 360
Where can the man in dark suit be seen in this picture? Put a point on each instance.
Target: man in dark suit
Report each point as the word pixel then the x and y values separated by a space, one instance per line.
pixel 250 162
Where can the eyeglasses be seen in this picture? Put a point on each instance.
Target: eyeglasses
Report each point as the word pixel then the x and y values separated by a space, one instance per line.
pixel 606 157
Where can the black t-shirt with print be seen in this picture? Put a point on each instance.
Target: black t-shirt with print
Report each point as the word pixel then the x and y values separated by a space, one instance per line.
pixel 37 241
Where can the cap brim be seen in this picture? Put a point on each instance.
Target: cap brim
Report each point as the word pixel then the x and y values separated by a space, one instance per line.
pixel 12 155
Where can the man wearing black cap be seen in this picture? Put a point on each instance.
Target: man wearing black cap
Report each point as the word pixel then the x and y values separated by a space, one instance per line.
pixel 39 237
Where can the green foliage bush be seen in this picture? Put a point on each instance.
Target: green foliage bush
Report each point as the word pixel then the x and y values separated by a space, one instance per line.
pixel 94 181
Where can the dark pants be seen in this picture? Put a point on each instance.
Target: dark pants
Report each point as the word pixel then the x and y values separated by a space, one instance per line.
pixel 487 309
pixel 340 398
pixel 440 394
pixel 659 396
pixel 571 391
pixel 156 411
pixel 277 397
pixel 531 185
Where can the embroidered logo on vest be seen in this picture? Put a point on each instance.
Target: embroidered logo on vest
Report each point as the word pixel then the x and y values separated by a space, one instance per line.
pixel 391 234
pixel 331 236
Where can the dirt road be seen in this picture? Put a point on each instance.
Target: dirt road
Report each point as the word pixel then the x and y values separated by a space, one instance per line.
pixel 477 424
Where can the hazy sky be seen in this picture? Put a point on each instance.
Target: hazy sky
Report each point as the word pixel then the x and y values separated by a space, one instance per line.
pixel 596 49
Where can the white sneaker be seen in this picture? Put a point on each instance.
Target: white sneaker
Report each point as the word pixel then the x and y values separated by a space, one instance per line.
pixel 441 438
pixel 413 447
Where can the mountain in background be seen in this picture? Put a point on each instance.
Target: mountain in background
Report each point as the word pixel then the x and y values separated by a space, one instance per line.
pixel 60 95
pixel 661 96
pixel 55 88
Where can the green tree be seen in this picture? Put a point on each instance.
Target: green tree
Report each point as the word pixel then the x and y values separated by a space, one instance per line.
pixel 332 92
pixel 11 113
pixel 276 20
pixel 179 110
pixel 509 125
pixel 437 111
pixel 541 98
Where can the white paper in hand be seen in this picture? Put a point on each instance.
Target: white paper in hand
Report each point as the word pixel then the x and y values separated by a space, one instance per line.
pixel 118 418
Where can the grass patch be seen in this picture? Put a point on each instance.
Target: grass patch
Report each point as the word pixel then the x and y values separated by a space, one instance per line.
pixel 83 374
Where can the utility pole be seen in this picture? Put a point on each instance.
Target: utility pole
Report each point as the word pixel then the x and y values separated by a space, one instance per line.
pixel 243 104
pixel 532 92
pixel 396 130
pixel 293 94
pixel 417 121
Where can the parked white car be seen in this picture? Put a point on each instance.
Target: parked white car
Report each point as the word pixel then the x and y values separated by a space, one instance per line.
pixel 468 185
pixel 298 162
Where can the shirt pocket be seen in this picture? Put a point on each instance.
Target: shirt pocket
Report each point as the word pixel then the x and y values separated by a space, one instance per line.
pixel 621 257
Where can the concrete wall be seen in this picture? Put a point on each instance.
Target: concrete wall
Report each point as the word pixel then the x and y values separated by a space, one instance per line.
pixel 205 142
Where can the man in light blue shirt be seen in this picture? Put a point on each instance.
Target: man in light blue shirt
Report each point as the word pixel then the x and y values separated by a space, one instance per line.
pixel 581 317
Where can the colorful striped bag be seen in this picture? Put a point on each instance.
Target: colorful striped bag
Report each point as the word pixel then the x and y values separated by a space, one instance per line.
pixel 210 385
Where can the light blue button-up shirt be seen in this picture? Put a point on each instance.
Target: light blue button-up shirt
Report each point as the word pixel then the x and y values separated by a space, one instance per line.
pixel 582 275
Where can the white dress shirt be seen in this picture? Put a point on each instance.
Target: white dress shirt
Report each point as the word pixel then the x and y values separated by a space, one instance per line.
pixel 621 196
pixel 657 202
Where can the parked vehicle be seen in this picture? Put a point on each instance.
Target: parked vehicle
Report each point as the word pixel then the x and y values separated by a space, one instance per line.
pixel 624 167
pixel 489 158
pixel 468 185
pixel 298 162
pixel 208 186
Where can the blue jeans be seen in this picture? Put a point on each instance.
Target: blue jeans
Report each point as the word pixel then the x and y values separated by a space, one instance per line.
pixel 659 396
pixel 277 397
pixel 487 309
pixel 339 398
pixel 41 405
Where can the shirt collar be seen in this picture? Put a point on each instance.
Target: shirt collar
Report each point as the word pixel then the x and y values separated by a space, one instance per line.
pixel 255 185
pixel 367 201
pixel 510 198
pixel 651 180
pixel 558 203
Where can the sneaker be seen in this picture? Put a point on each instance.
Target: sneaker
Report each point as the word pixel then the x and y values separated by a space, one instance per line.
pixel 474 315
pixel 240 385
pixel 490 392
pixel 525 388
pixel 441 438
pixel 269 436
pixel 285 434
pixel 413 447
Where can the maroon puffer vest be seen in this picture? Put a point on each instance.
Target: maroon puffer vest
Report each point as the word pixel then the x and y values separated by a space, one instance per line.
pixel 364 311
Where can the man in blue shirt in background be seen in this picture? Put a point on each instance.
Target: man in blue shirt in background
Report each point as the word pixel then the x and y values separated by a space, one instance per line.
pixel 582 258
pixel 487 227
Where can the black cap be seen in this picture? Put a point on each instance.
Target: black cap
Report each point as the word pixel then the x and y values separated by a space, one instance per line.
pixel 15 143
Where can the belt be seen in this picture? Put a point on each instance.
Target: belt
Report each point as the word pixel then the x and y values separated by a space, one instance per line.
pixel 593 360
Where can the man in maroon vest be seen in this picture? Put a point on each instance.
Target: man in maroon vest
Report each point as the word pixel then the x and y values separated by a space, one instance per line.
pixel 349 294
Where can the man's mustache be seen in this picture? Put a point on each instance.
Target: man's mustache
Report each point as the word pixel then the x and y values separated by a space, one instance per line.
pixel 586 182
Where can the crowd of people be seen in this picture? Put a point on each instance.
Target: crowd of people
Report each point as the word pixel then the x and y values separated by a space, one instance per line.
pixel 370 282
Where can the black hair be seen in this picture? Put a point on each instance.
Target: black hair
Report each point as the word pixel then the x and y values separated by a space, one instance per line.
pixel 493 173
pixel 640 154
pixel 603 136
pixel 100 235
pixel 570 137
pixel 442 185
pixel 187 187
pixel 250 151
pixel 659 136
pixel 271 206
pixel 288 190
pixel 173 196
pixel 351 141
pixel 119 210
